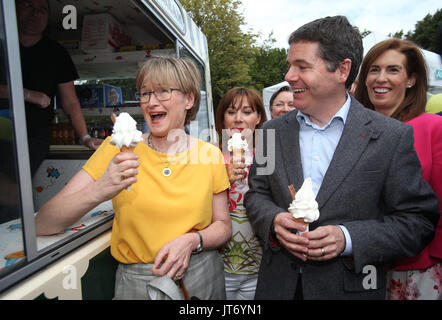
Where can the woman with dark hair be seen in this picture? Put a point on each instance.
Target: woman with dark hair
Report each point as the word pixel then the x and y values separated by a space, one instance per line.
pixel 240 110
pixel 393 81
pixel 281 102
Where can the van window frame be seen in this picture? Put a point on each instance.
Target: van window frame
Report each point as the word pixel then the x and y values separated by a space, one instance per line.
pixel 35 259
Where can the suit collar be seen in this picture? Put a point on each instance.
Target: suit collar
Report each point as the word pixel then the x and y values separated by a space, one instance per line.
pixel 356 136
pixel 358 131
pixel 341 115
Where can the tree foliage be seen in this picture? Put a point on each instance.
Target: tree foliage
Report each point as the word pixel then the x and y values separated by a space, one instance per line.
pixel 269 65
pixel 398 34
pixel 365 33
pixel 230 49
pixel 425 33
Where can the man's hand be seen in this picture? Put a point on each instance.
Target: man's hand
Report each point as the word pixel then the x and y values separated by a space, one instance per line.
pixel 284 223
pixel 93 143
pixel 325 243
pixel 37 97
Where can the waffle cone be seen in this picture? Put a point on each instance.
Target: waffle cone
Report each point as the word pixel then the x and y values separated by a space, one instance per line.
pixel 237 154
pixel 301 220
pixel 127 149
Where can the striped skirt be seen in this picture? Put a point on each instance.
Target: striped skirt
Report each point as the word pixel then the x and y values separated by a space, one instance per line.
pixel 203 279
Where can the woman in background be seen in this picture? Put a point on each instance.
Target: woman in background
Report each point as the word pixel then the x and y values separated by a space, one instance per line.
pixel 240 110
pixel 281 102
pixel 393 81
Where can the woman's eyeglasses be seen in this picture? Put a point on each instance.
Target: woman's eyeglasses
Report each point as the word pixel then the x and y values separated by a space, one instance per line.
pixel 161 94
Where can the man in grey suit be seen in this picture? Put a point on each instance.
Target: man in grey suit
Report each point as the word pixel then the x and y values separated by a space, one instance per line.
pixel 374 205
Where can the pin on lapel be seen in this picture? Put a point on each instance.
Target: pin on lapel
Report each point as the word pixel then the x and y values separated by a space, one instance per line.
pixel 372 134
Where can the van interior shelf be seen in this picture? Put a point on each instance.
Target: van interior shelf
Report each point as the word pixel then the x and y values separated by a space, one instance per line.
pixel 107 111
pixel 114 65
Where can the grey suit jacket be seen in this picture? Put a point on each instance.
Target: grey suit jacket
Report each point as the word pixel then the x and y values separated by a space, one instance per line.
pixel 373 187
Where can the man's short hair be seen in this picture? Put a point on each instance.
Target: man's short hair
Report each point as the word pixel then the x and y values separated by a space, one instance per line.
pixel 338 40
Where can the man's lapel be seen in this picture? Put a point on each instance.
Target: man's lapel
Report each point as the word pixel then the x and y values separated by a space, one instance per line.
pixel 289 138
pixel 355 138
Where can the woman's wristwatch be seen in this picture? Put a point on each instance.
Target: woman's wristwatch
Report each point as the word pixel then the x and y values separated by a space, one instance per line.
pixel 199 248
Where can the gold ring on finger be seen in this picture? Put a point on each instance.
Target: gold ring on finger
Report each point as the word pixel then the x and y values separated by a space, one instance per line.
pixel 178 276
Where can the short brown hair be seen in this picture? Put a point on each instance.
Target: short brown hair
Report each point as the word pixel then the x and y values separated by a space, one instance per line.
pixel 337 40
pixel 252 96
pixel 171 71
pixel 416 96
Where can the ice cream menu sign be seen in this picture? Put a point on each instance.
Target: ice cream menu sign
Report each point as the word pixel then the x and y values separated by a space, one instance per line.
pixel 173 10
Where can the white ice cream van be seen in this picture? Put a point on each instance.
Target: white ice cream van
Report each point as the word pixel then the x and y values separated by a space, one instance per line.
pixel 107 41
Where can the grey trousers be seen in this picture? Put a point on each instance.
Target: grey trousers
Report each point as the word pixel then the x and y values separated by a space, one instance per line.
pixel 204 279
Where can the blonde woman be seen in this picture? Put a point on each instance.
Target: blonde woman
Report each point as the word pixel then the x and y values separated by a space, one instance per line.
pixel 175 215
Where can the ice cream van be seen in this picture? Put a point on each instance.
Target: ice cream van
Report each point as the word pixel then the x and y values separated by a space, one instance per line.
pixel 107 41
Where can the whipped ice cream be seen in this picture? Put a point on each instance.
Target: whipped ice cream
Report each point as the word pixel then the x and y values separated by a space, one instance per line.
pixel 237 143
pixel 304 207
pixel 237 146
pixel 125 133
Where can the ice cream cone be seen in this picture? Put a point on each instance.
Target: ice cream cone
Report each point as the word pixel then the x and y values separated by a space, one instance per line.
pixel 301 220
pixel 304 207
pixel 237 155
pixel 125 134
pixel 127 149
pixel 238 146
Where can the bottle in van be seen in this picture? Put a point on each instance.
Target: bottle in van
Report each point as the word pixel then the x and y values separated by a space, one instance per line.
pixel 54 129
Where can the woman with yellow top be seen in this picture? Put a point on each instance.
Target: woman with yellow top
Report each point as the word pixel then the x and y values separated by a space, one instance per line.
pixel 175 215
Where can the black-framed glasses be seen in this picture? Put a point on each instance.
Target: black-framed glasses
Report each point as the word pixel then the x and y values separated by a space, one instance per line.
pixel 162 94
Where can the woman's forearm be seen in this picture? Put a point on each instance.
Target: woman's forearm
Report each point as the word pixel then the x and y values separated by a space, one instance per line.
pixel 63 211
pixel 68 206
pixel 217 234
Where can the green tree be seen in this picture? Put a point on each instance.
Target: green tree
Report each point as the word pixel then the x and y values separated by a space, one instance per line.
pixel 230 49
pixel 269 65
pixel 425 33
pixel 398 34
pixel 365 33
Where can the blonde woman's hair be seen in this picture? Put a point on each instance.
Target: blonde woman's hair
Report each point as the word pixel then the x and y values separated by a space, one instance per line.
pixel 174 73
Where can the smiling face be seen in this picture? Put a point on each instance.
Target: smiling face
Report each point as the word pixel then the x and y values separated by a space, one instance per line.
pixel 241 117
pixel 387 81
pixel 315 89
pixel 282 104
pixel 164 116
